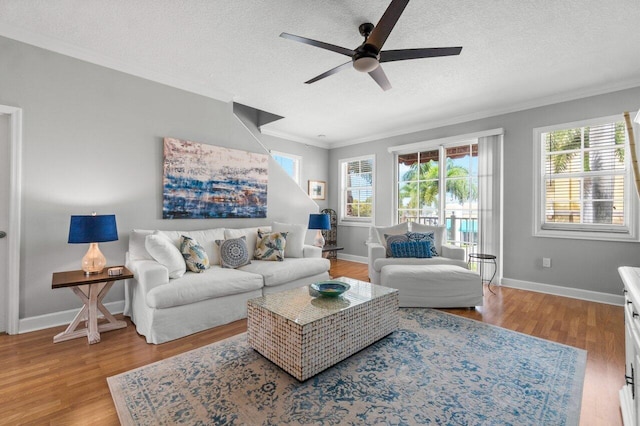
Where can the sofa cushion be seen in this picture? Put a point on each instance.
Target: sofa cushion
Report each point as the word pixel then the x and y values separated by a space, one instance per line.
pixel 276 273
pixel 296 235
pixel 419 249
pixel 270 246
pixel 194 255
pixel 439 233
pixel 166 253
pixel 206 237
pixel 137 250
pixel 378 264
pixel 212 283
pixel 251 235
pixel 427 237
pixel 390 239
pixel 233 252
pixel 376 233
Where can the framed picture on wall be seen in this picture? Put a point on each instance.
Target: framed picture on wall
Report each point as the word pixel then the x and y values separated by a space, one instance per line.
pixel 212 182
pixel 317 189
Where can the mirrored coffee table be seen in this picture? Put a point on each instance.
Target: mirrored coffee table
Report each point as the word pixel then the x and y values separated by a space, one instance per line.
pixel 304 334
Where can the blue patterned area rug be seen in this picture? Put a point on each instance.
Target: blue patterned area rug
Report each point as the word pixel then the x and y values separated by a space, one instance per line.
pixel 437 369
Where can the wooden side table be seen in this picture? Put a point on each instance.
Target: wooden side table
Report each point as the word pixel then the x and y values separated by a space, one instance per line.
pixel 331 251
pixel 91 289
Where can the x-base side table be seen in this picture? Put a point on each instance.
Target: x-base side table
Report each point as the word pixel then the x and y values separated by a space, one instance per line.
pixel 91 289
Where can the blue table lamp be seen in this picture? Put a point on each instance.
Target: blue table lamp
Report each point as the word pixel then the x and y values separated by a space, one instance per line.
pixel 93 229
pixel 320 222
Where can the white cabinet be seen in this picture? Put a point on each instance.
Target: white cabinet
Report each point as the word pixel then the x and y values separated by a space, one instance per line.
pixel 629 394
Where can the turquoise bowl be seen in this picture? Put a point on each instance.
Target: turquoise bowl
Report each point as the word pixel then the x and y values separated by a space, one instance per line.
pixel 330 288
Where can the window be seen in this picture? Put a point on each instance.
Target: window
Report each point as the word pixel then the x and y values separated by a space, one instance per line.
pixel 583 189
pixel 357 189
pixel 440 186
pixel 290 163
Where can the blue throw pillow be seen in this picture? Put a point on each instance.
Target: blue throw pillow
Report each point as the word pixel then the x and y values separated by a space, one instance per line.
pixel 424 236
pixel 390 239
pixel 419 249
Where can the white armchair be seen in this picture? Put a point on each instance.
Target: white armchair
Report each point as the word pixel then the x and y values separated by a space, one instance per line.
pixel 377 250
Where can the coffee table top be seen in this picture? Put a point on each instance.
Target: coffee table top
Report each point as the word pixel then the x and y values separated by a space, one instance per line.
pixel 299 306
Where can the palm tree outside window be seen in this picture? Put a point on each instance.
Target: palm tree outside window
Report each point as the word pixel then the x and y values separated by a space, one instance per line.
pixel 585 182
pixel 422 183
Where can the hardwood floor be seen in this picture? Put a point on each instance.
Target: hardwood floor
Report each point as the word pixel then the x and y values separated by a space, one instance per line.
pixel 65 383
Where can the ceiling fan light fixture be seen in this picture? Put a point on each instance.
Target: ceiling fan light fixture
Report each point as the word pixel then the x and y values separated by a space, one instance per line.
pixel 367 57
pixel 366 64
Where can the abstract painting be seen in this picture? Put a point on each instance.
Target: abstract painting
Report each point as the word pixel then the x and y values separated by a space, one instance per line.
pixel 206 182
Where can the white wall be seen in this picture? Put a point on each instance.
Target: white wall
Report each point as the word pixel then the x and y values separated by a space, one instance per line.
pixel 93 142
pixel 576 264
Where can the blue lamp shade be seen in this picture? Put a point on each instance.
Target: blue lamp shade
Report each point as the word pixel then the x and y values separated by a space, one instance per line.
pixel 319 221
pixel 93 229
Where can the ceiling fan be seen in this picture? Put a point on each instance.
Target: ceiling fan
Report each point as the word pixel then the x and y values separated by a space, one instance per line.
pixel 369 55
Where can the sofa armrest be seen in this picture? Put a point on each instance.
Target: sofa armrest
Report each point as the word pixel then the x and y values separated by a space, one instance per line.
pixel 148 273
pixel 311 251
pixel 375 251
pixel 452 252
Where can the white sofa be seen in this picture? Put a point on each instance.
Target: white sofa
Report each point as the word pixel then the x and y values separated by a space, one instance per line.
pixel 164 308
pixel 377 250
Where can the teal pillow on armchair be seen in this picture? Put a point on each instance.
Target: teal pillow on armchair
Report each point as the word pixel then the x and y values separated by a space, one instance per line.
pixel 418 249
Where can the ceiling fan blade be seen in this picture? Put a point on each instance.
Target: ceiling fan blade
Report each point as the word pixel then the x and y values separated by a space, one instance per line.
pixel 381 78
pixel 381 31
pixel 330 72
pixel 404 54
pixel 320 44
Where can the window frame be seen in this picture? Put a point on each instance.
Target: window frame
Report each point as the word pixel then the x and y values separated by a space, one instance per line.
pixel 441 145
pixel 600 232
pixel 354 221
pixel 297 160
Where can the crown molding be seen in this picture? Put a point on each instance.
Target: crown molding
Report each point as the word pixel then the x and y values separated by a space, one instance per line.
pixel 67 49
pixel 283 135
pixel 523 106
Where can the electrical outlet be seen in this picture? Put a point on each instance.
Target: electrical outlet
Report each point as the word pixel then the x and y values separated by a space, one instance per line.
pixel 546 262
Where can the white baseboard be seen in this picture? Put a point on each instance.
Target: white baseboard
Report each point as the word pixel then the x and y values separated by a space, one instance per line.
pixel 353 258
pixel 574 293
pixel 55 319
pixel 41 322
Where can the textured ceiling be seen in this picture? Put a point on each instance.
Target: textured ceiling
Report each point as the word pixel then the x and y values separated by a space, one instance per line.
pixel 516 54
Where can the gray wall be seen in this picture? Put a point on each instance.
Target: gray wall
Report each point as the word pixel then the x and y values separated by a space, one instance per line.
pixel 580 264
pixel 93 142
pixel 314 159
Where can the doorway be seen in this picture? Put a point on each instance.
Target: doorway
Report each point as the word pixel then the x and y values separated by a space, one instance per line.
pixel 4 215
pixel 10 215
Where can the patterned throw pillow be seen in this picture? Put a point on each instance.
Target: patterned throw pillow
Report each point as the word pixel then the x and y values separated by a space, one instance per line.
pixel 233 252
pixel 427 236
pixel 390 239
pixel 194 254
pixel 270 246
pixel 419 249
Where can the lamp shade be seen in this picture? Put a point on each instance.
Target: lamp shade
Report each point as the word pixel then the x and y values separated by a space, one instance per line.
pixel 93 229
pixel 319 221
